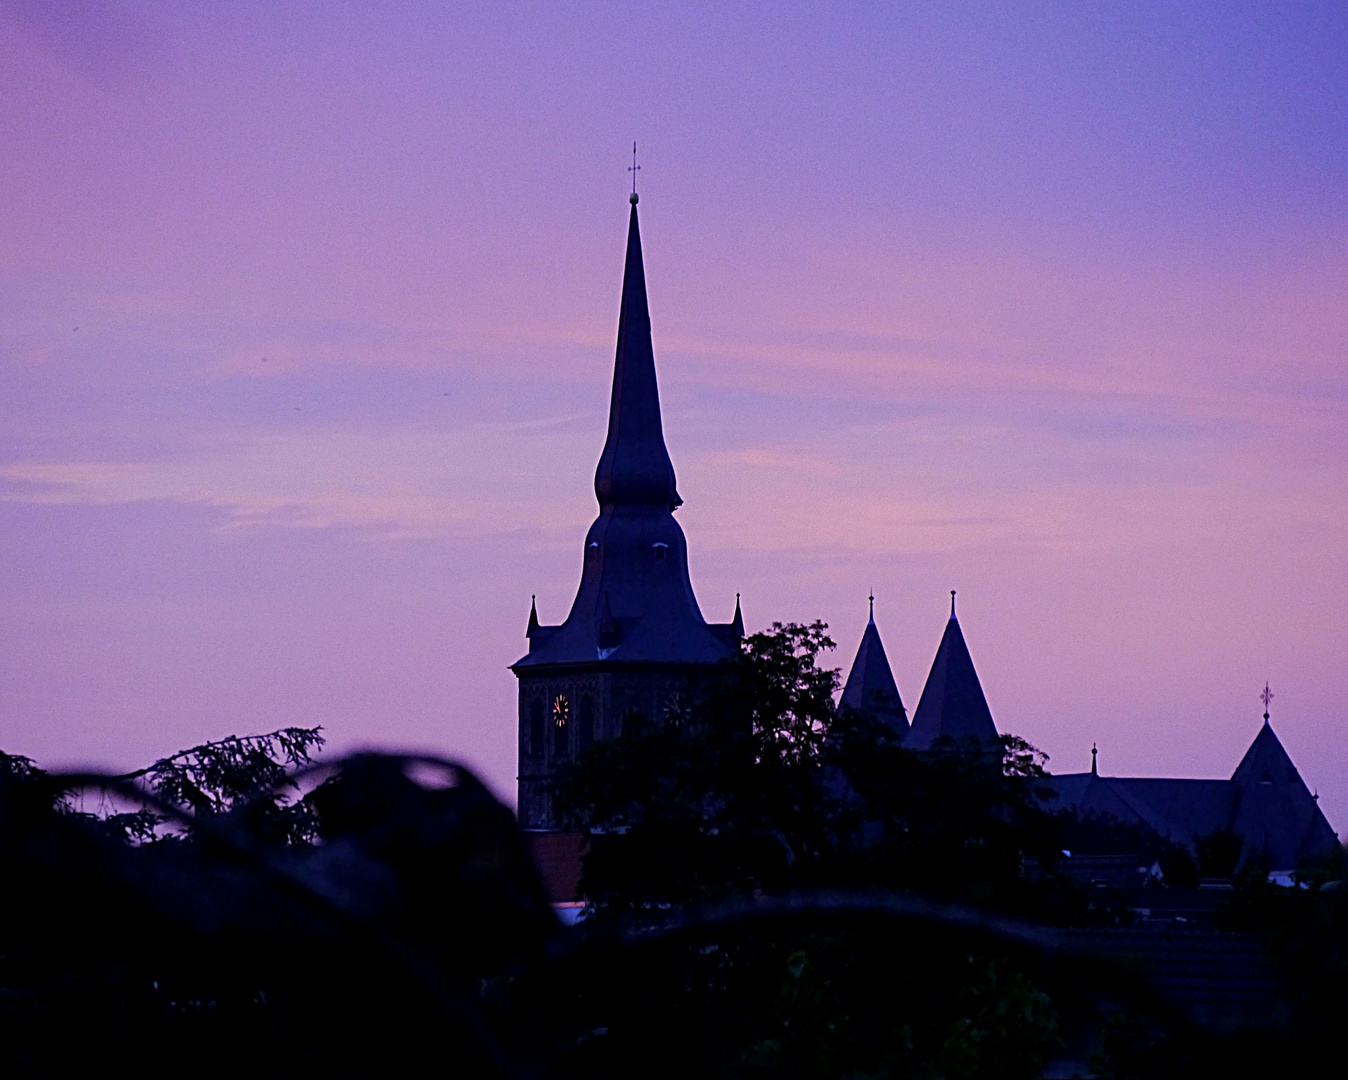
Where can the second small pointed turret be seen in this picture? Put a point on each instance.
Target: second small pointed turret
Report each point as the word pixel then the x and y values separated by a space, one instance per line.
pixel 952 706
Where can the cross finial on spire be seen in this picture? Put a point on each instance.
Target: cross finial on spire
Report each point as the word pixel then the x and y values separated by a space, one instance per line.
pixel 872 600
pixel 1093 753
pixel 634 169
pixel 1266 697
pixel 952 603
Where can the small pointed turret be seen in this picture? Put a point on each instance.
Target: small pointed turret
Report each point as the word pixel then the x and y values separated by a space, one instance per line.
pixel 634 468
pixel 870 684
pixel 533 617
pixel 737 623
pixel 952 703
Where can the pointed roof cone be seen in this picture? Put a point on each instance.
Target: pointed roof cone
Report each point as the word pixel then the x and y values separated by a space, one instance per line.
pixel 1273 802
pixel 634 468
pixel 952 703
pixel 870 684
pixel 737 623
pixel 1266 760
pixel 533 617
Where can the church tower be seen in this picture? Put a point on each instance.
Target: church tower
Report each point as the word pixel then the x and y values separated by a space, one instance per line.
pixel 635 633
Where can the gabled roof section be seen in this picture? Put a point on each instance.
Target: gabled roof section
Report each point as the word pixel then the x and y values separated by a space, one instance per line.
pixel 952 703
pixel 1275 813
pixel 1265 803
pixel 634 468
pixel 870 684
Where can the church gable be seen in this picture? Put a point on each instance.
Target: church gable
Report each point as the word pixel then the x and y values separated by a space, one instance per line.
pixel 1275 814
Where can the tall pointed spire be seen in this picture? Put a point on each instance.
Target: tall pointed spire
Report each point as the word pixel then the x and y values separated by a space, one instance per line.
pixel 635 603
pixel 870 684
pixel 635 616
pixel 634 468
pixel 952 703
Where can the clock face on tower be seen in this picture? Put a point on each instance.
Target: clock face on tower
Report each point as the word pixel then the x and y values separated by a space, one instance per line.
pixel 675 709
pixel 561 711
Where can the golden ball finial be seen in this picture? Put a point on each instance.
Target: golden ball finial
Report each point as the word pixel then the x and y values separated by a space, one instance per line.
pixel 632 198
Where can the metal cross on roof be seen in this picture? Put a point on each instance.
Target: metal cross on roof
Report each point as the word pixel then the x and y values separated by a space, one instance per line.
pixel 634 168
pixel 1266 697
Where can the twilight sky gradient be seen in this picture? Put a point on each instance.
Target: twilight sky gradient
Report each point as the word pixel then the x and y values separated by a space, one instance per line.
pixel 307 316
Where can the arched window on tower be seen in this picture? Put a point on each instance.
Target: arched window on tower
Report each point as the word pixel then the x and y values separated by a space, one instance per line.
pixel 585 722
pixel 537 729
pixel 561 726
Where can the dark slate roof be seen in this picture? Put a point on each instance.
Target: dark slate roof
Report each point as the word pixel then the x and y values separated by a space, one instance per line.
pixel 870 684
pixel 1179 809
pixel 952 702
pixel 1179 805
pixel 1265 803
pixel 635 603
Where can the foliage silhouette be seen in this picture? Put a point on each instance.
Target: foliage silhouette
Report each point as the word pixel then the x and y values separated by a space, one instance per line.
pixel 786 894
pixel 764 787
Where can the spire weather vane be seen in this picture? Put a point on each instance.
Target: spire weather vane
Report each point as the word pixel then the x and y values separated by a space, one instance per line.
pixel 1266 697
pixel 634 168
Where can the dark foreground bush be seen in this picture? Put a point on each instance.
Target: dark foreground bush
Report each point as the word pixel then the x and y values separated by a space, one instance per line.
pixel 401 926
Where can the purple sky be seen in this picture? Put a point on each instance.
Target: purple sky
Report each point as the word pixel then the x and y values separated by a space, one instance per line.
pixel 307 316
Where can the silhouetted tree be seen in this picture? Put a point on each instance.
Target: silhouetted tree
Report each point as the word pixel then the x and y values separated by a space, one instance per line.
pixel 763 786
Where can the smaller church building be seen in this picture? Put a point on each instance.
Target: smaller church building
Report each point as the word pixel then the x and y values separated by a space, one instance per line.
pixel 1265 803
pixel 635 637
